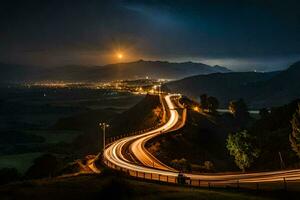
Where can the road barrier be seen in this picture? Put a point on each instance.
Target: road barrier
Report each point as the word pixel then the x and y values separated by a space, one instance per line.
pixel 234 183
pixel 142 175
pixel 110 140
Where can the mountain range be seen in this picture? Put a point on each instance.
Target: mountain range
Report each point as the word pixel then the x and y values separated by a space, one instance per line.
pixel 131 70
pixel 257 89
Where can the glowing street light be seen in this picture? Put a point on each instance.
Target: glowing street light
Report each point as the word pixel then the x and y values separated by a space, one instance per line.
pixel 157 88
pixel 154 88
pixel 196 108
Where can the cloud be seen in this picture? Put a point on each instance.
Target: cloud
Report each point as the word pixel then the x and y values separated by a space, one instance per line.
pixel 61 32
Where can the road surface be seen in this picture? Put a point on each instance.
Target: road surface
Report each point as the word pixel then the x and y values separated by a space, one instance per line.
pixel 143 164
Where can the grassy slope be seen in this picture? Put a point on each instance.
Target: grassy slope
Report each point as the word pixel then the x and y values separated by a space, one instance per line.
pixel 139 117
pixel 203 138
pixel 28 117
pixel 82 131
pixel 146 114
pixel 19 161
pixel 112 187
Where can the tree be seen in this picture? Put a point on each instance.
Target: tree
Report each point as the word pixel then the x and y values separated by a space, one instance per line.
pixel 203 101
pixel 181 164
pixel 239 111
pixel 208 165
pixel 43 166
pixel 238 108
pixel 295 135
pixel 241 146
pixel 212 104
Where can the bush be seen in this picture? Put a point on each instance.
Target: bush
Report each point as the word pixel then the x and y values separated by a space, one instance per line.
pixel 44 166
pixel 208 165
pixel 181 164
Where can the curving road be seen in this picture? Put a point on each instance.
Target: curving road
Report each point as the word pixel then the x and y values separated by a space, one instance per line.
pixel 141 161
pixel 148 163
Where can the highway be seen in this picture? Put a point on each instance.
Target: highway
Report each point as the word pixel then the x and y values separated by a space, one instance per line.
pixel 141 163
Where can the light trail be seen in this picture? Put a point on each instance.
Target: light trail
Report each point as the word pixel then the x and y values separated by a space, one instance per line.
pixel 149 164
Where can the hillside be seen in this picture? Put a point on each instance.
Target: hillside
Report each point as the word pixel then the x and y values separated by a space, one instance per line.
pixel 204 136
pixel 145 114
pixel 131 70
pixel 272 131
pixel 280 89
pixel 258 89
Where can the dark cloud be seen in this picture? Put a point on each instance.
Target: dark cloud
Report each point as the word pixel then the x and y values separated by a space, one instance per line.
pixel 236 33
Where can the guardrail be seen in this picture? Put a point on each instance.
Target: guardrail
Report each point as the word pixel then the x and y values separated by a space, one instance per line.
pixel 110 140
pixel 142 175
pixel 234 183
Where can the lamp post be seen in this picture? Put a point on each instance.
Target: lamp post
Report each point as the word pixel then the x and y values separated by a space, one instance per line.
pixel 103 126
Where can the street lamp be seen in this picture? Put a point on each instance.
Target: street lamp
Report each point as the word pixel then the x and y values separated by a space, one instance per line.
pixel 159 89
pixel 103 126
pixel 154 89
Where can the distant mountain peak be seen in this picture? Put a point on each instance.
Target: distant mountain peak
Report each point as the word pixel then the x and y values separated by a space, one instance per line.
pixel 130 70
pixel 222 68
pixel 258 89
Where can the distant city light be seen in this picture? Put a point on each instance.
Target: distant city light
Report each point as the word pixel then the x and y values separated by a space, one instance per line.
pixel 196 108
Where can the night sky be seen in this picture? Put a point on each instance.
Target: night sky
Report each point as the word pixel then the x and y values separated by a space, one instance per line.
pixel 242 35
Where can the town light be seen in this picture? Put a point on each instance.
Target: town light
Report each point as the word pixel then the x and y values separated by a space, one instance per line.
pixel 196 108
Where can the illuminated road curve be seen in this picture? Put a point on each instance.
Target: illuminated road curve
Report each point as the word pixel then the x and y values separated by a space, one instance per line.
pixel 150 165
pixel 114 152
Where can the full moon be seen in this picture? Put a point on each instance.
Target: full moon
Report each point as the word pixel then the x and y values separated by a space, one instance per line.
pixel 120 55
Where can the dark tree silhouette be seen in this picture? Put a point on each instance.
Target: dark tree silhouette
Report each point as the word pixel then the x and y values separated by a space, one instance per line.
pixel 295 135
pixel 212 104
pixel 240 112
pixel 203 101
pixel 44 166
